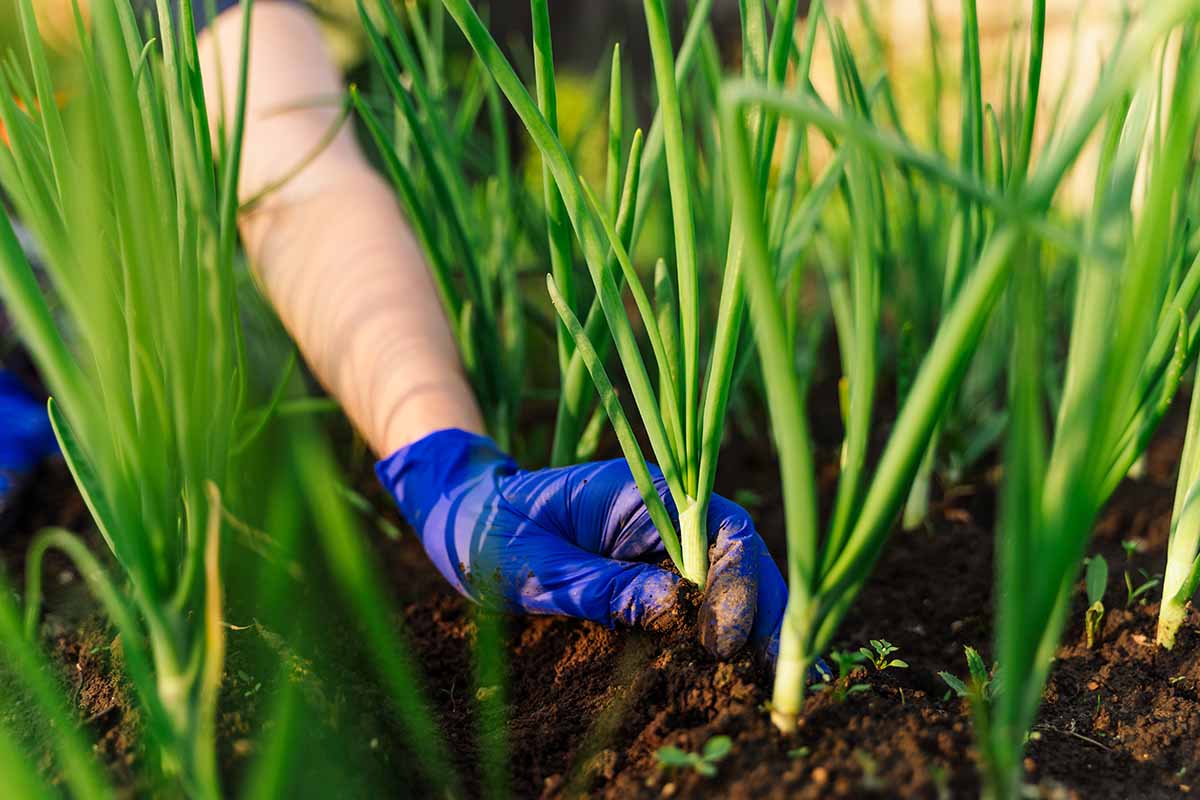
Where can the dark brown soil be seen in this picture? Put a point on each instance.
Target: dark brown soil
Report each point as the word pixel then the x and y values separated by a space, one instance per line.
pixel 589 707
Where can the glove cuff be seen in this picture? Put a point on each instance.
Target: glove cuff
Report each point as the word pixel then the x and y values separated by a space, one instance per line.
pixel 422 473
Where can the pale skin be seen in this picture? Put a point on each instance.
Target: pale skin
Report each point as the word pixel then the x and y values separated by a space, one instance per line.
pixel 330 247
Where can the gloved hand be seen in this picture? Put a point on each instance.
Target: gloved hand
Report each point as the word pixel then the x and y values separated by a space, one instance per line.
pixel 25 434
pixel 576 541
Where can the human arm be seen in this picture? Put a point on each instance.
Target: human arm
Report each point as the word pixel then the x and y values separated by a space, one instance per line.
pixel 329 246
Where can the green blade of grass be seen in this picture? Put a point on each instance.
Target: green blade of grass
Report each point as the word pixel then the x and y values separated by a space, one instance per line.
pixel 778 55
pixel 590 229
pixel 79 770
pixel 686 266
pixel 694 40
pixel 362 589
pixel 557 223
pixel 616 120
pixel 20 778
pixel 667 318
pixel 573 397
pixel 1037 46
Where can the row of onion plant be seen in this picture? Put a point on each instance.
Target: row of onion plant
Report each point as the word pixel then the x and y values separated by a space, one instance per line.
pixel 475 244
pixel 1132 337
pixel 150 408
pixel 825 573
pixel 161 411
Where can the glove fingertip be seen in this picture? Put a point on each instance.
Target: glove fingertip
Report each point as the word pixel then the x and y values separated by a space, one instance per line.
pixel 727 617
pixel 643 594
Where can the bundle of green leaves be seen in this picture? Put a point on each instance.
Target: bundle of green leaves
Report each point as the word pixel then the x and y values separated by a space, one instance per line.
pixel 825 573
pixel 167 429
pixel 1132 337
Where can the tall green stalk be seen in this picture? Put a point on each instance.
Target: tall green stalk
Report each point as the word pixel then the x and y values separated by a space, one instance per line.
pixel 968 230
pixel 558 226
pixel 575 392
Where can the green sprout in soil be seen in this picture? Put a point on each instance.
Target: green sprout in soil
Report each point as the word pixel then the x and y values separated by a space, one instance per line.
pixel 1136 592
pixel 704 763
pixel 1097 582
pixel 1130 547
pixel 827 572
pixel 841 686
pixel 879 655
pixel 980 687
pixel 1131 339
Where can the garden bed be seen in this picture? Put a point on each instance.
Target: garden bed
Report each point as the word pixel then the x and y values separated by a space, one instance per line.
pixel 591 706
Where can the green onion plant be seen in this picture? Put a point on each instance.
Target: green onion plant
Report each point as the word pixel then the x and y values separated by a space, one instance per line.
pixel 968 229
pixel 1132 336
pixel 825 573
pixel 683 423
pixel 134 207
pixel 162 413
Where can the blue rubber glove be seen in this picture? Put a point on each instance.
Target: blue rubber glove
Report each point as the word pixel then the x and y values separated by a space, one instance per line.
pixel 576 541
pixel 25 434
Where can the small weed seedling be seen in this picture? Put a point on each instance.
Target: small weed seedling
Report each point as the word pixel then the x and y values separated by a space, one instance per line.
pixel 841 687
pixel 982 687
pixel 1130 546
pixel 1135 593
pixel 704 762
pixel 882 649
pixel 1097 582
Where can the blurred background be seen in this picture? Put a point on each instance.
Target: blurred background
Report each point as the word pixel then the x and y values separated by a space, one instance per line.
pixel 1077 31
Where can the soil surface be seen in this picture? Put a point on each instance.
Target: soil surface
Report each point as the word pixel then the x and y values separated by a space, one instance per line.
pixel 589 707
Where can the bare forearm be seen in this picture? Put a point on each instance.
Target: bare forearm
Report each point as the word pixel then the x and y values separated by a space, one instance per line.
pixel 330 247
pixel 350 285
